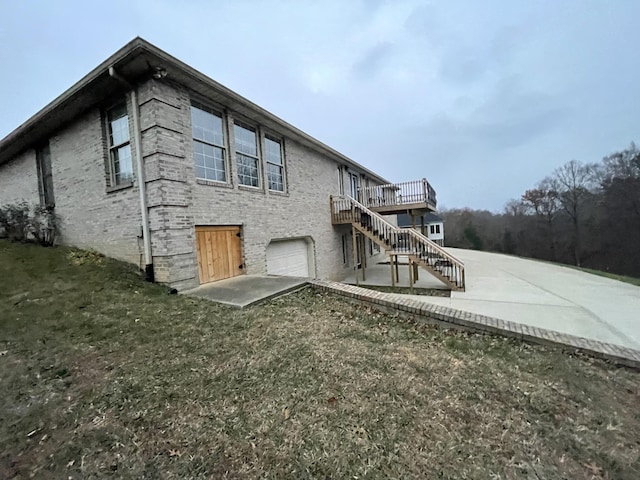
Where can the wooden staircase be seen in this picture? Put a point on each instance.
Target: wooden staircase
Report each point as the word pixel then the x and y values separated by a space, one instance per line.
pixel 398 241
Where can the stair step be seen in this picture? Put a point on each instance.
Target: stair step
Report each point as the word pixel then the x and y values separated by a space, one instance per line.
pixel 401 242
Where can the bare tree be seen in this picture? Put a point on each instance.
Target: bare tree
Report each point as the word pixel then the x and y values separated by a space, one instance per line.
pixel 544 202
pixel 515 208
pixel 573 180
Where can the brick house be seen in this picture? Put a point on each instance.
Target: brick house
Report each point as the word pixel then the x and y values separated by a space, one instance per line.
pixel 147 160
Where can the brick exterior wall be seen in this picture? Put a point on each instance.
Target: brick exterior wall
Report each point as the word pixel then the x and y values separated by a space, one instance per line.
pixel 181 202
pixel 93 215
pixel 19 180
pixel 90 215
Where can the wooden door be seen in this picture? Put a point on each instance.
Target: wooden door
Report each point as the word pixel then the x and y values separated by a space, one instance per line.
pixel 219 252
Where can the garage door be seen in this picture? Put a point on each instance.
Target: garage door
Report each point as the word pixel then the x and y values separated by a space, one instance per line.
pixel 219 252
pixel 288 257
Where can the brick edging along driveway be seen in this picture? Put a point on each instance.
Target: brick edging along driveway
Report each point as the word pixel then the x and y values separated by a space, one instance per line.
pixel 451 317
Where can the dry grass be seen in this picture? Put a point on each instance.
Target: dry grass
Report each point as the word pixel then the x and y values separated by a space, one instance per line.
pixel 106 376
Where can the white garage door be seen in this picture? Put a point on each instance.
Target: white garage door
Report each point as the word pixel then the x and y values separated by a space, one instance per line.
pixel 288 257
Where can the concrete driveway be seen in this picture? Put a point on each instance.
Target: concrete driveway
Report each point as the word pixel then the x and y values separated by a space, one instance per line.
pixel 547 296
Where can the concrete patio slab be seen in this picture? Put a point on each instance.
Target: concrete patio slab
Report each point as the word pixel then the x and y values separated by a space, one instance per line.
pixel 378 273
pixel 546 295
pixel 246 290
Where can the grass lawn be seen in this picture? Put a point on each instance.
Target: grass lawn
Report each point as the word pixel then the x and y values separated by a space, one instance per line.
pixel 614 276
pixel 105 376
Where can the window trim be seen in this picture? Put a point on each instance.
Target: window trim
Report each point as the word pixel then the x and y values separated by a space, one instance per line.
pixel 113 185
pixel 258 158
pixel 221 113
pixel 280 140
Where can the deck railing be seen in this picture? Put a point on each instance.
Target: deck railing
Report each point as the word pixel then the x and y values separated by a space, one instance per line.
pixel 392 194
pixel 397 240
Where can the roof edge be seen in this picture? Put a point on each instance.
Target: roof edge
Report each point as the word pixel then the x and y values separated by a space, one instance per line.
pixel 139 43
pixel 122 53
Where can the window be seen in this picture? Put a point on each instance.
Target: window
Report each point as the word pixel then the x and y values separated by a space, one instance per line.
pixel 45 177
pixel 120 165
pixel 354 181
pixel 437 228
pixel 345 252
pixel 432 229
pixel 246 155
pixel 208 144
pixel 275 164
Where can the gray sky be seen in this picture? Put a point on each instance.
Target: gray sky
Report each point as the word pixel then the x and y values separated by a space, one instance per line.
pixel 483 98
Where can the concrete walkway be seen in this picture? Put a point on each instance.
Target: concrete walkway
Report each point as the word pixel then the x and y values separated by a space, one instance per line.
pixel 547 296
pixel 246 290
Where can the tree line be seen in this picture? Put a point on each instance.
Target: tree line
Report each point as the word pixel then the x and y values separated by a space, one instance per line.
pixel 582 214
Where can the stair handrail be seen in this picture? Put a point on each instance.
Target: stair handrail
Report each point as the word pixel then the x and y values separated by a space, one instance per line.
pixel 368 211
pixel 415 244
pixel 433 244
pixel 411 231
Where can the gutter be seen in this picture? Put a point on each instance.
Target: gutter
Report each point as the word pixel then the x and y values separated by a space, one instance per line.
pixel 146 234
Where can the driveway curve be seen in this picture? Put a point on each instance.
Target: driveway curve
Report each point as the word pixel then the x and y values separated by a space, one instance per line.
pixel 547 296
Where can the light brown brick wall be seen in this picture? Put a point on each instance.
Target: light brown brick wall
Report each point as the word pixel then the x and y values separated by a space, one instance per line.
pixel 92 216
pixel 183 202
pixel 19 180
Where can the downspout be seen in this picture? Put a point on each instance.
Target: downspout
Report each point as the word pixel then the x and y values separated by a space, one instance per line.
pixel 146 235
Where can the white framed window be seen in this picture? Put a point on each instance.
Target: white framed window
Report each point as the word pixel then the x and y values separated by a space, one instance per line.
pixel 432 229
pixel 275 163
pixel 437 228
pixel 247 161
pixel 354 182
pixel 209 151
pixel 120 163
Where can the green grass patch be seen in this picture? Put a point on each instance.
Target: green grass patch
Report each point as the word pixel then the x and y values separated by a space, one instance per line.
pixel 621 278
pixel 104 375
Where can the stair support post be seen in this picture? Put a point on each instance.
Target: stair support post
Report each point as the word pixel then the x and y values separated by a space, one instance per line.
pixel 355 252
pixel 411 265
pixel 363 253
pixel 397 271
pixel 393 276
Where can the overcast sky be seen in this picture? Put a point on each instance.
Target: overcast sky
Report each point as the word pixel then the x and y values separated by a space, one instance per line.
pixel 483 98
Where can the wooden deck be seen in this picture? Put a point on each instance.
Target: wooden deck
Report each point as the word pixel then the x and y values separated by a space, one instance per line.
pixel 397 242
pixel 418 196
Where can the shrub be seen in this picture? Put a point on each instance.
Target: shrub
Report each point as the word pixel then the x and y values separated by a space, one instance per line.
pixel 44 225
pixel 19 224
pixel 15 222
